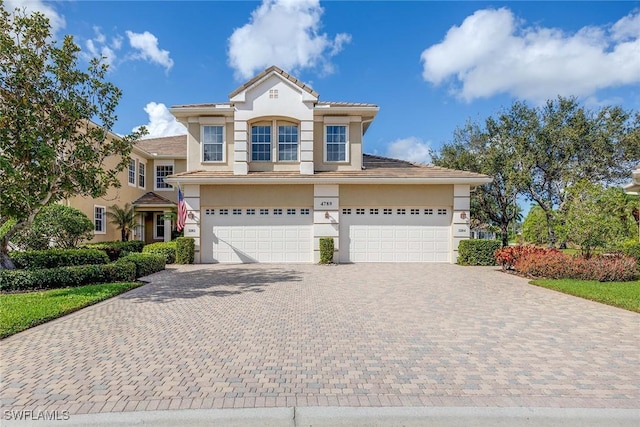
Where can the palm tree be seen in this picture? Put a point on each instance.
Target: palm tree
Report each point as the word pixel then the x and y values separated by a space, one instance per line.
pixel 123 218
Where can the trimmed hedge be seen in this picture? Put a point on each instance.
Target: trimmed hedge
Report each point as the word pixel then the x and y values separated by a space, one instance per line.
pixel 185 250
pixel 166 249
pixel 62 277
pixel 116 249
pixel 478 252
pixel 54 258
pixel 326 250
pixel 145 263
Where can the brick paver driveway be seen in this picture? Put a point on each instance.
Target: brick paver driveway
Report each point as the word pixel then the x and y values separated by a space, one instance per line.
pixel 348 335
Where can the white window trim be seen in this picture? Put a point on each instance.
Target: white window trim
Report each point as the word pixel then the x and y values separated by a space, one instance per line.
pixel 104 219
pixel 135 172
pixel 347 147
pixel 155 228
pixel 224 144
pixel 155 173
pixel 275 144
pixel 144 174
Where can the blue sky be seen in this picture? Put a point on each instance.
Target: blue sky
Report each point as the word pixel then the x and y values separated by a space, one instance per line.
pixel 429 65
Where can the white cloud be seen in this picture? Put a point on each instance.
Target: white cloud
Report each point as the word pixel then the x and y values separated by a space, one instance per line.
pixel 412 149
pixel 493 52
pixel 147 46
pixel 98 47
pixel 56 20
pixel 285 33
pixel 161 122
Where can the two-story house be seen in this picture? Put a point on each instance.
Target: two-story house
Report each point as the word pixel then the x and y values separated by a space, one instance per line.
pixel 273 169
pixel 269 172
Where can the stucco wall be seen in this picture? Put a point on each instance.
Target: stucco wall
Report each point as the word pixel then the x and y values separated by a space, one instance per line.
pixel 396 195
pixel 279 196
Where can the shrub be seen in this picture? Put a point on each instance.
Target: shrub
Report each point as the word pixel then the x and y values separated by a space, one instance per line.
pixel 57 225
pixel 166 249
pixel 553 264
pixel 145 263
pixel 326 250
pixel 51 278
pixel 185 250
pixel 509 255
pixel 477 252
pixel 632 249
pixel 117 249
pixel 53 258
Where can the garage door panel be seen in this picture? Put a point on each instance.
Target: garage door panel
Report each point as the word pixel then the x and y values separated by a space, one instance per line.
pixel 406 235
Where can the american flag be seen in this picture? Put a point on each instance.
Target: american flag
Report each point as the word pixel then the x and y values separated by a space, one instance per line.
pixel 182 212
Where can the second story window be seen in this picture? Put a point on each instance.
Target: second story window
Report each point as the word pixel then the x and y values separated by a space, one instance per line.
pixel 288 143
pixel 141 174
pixel 261 143
pixel 212 143
pixel 132 172
pixel 163 171
pixel 336 143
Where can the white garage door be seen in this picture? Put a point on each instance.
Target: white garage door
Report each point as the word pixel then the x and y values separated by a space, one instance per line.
pixel 416 234
pixel 244 235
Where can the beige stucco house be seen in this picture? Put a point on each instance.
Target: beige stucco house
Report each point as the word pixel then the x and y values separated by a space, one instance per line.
pixel 273 169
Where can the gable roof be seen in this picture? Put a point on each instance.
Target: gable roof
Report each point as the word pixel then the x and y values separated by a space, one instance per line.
pixel 152 198
pixel 168 146
pixel 274 69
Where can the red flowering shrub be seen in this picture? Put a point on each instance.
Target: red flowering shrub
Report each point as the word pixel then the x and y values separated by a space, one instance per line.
pixel 553 264
pixel 509 255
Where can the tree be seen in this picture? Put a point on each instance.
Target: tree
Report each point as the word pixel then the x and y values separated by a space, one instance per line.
pixel 534 228
pixel 123 218
pixel 562 143
pixel 55 123
pixel 598 217
pixel 486 150
pixel 55 225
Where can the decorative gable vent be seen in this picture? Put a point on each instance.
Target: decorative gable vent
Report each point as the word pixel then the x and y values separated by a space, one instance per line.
pixel 273 93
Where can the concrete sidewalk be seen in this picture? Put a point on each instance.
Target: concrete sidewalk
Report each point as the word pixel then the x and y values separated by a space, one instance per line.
pixel 354 417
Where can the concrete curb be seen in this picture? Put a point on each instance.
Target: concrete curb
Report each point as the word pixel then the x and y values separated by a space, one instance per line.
pixel 351 416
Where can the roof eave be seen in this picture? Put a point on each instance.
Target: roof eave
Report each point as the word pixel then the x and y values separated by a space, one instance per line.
pixel 324 180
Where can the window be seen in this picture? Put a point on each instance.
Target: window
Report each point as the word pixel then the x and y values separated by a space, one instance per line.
pixel 387 211
pixel 277 211
pixel 288 143
pixel 442 211
pixel 264 211
pixel 163 171
pixel 224 211
pixel 212 143
pixel 99 220
pixel 261 143
pixel 373 211
pixel 415 211
pixel 291 211
pixel 159 226
pixel 141 174
pixel 428 211
pixel 251 211
pixel 237 211
pixel 304 211
pixel 132 172
pixel 401 211
pixel 346 211
pixel 336 140
pixel 209 211
pixel 359 211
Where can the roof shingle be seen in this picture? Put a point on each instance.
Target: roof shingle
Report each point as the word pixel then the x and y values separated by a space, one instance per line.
pixel 175 146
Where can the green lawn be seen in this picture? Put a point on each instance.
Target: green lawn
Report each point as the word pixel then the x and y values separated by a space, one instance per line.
pixel 22 311
pixel 618 294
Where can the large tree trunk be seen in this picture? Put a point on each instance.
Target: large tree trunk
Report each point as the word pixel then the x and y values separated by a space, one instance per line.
pixel 5 261
pixel 550 230
pixel 504 231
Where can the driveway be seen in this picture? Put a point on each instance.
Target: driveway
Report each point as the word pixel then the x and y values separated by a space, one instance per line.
pixel 367 335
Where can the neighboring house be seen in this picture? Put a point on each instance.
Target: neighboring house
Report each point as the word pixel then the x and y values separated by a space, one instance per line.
pixel 142 184
pixel 634 186
pixel 269 172
pixel 483 231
